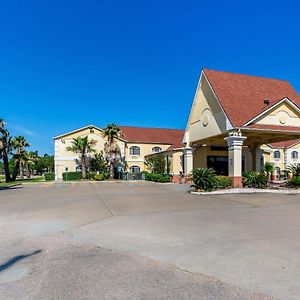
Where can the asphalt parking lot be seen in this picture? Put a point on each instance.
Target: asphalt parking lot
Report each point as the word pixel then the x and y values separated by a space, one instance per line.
pixel 146 241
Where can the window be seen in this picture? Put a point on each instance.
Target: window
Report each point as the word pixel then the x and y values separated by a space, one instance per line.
pixel 156 149
pixel 278 171
pixel 135 169
pixel 294 154
pixel 134 150
pixel 276 154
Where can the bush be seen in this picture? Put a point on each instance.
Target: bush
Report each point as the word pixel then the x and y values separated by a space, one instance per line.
pixel 163 178
pixel 99 177
pixel 72 176
pixel 294 169
pixel 255 180
pixel 294 182
pixel 91 175
pixel 49 176
pixel 204 179
pixel 223 182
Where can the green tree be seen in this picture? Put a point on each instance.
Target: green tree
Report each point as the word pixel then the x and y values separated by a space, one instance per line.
pixel 31 157
pixel 6 147
pixel 268 169
pixel 156 163
pixel 82 146
pixel 111 148
pixel 20 144
pixel 98 163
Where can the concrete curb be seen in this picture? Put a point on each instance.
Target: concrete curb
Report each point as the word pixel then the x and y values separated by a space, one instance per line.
pixel 247 191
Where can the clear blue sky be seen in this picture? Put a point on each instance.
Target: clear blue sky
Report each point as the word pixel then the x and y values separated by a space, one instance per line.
pixel 66 64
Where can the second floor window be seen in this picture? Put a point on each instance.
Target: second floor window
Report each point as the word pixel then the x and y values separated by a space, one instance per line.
pixel 156 149
pixel 134 150
pixel 294 154
pixel 276 154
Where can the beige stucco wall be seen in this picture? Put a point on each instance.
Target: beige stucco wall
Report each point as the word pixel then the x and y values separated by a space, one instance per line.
pixel 206 118
pixel 145 149
pixel 64 158
pixel 67 159
pixel 283 115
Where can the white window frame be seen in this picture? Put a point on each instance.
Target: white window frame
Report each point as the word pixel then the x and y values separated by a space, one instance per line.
pixel 135 167
pixel 156 147
pixel 135 150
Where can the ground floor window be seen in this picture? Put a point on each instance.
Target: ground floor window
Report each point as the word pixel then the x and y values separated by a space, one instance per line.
pixel 219 164
pixel 135 169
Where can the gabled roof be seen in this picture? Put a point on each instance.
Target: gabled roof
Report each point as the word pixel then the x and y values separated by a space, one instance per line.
pixel 286 144
pixel 77 130
pixel 242 96
pixel 171 137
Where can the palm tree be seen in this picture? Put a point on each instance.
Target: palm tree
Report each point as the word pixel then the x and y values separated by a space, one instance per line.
pixel 6 146
pixel 83 146
pixel 31 158
pixel 20 144
pixel 268 169
pixel 111 148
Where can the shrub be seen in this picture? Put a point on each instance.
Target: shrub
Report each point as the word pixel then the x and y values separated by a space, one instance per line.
pixel 255 180
pixel 49 176
pixel 72 176
pixel 157 163
pixel 223 182
pixel 204 179
pixel 294 182
pixel 91 175
pixel 294 169
pixel 99 177
pixel 163 178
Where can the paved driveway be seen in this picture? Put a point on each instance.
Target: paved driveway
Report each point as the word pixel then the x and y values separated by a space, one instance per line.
pixel 146 241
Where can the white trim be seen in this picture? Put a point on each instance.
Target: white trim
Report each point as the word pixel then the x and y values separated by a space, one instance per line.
pixel 81 129
pixel 228 123
pixel 272 107
pixel 66 158
pixel 190 114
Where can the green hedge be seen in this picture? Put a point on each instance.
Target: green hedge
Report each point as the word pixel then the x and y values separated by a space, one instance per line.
pixel 49 176
pixel 158 177
pixel 294 182
pixel 72 176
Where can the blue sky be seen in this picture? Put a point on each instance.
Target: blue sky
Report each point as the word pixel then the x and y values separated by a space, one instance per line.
pixel 67 64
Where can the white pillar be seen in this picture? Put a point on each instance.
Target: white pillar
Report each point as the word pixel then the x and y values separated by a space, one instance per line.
pixel 235 142
pixel 187 160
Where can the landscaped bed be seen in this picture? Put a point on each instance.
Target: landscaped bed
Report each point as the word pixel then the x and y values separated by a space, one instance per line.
pixel 206 181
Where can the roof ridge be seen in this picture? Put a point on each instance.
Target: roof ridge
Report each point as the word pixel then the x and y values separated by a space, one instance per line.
pixel 247 75
pixel 150 127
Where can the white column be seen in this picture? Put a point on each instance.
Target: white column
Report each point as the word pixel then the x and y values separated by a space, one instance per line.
pixel 188 160
pixel 235 142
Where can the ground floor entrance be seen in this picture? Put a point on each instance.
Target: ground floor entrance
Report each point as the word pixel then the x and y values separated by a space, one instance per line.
pixel 218 163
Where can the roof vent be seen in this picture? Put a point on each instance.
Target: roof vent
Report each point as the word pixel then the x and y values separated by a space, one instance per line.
pixel 266 102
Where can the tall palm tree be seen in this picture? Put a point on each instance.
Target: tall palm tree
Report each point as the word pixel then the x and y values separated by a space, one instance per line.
pixel 31 158
pixel 6 146
pixel 20 144
pixel 83 146
pixel 111 148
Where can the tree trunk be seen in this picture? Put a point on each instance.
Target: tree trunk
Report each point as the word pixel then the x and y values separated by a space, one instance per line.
pixel 111 170
pixel 6 167
pixel 83 167
pixel 16 170
pixel 21 170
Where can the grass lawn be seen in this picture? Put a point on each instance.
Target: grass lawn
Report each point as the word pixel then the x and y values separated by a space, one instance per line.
pixel 2 177
pixel 29 180
pixel 4 185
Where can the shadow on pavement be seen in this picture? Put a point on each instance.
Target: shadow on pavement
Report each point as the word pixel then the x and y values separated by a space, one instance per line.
pixel 15 259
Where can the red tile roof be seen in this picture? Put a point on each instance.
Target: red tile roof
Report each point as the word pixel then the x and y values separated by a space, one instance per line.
pixel 242 96
pixel 274 127
pixel 171 137
pixel 285 144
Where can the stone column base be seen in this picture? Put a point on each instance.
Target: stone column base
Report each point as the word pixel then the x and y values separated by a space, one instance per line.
pixel 236 181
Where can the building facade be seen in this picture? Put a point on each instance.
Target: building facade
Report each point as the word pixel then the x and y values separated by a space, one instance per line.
pixel 234 121
pixel 135 144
